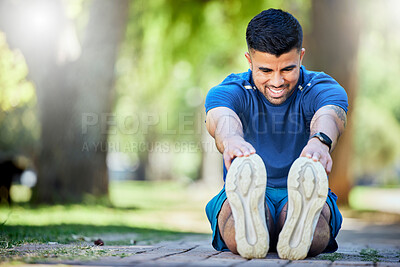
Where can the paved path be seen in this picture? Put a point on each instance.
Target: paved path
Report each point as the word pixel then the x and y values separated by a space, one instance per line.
pixel 360 244
pixel 200 253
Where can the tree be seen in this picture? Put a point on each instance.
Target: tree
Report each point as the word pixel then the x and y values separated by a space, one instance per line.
pixel 74 90
pixel 333 43
pixel 180 49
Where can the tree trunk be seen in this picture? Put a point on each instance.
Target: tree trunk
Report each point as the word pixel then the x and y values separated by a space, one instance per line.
pixel 212 164
pixel 333 45
pixel 74 97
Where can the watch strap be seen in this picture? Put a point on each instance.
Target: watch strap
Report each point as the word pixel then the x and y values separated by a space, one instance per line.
pixel 323 138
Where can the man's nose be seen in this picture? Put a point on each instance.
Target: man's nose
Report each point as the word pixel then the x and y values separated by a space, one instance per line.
pixel 277 80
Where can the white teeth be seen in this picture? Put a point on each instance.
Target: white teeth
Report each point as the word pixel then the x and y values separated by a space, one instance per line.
pixel 276 91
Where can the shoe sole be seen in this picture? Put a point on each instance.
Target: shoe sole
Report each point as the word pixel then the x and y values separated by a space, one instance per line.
pixel 307 192
pixel 245 189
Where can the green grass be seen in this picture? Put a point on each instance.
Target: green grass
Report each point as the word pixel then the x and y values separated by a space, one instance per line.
pixel 368 198
pixel 147 211
pixel 79 239
pixel 75 234
pixel 368 254
pixel 331 257
pixel 54 254
pixel 141 213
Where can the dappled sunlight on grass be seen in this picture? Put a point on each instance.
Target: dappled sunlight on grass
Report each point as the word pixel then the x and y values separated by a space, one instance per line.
pixel 369 198
pixel 20 193
pixel 86 234
pixel 156 205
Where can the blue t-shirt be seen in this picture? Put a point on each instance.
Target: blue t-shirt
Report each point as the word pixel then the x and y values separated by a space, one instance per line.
pixel 277 132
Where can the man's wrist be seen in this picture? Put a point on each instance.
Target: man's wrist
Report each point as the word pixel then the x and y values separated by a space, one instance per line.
pixel 323 138
pixel 229 138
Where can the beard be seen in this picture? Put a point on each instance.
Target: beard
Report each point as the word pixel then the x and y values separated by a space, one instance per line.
pixel 277 95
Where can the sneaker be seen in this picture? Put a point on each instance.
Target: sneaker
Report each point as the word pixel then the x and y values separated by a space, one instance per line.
pixel 245 189
pixel 307 192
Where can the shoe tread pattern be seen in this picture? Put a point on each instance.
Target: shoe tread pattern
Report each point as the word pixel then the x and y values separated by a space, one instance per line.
pixel 307 192
pixel 245 189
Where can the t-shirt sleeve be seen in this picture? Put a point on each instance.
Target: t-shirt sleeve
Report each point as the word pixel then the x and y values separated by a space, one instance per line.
pixel 230 95
pixel 323 91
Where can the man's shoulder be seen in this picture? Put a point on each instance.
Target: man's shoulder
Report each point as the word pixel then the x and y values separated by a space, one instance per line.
pixel 234 92
pixel 310 75
pixel 241 80
pixel 321 89
pixel 317 80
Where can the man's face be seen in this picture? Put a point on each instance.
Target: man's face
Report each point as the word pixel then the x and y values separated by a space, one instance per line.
pixel 275 77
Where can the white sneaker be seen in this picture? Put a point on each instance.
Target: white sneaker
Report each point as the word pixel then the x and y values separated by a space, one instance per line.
pixel 245 189
pixel 307 192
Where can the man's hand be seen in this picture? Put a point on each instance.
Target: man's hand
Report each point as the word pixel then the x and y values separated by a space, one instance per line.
pixel 318 151
pixel 225 126
pixel 330 120
pixel 236 146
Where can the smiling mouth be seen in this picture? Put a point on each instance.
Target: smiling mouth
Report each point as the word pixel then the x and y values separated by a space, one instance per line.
pixel 276 93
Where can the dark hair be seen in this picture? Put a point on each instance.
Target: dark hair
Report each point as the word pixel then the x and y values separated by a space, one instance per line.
pixel 274 31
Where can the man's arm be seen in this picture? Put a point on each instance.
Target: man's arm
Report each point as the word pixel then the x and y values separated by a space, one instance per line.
pixel 330 120
pixel 225 126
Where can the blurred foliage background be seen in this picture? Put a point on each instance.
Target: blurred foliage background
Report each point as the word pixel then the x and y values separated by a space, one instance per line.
pixel 171 54
pixel 377 131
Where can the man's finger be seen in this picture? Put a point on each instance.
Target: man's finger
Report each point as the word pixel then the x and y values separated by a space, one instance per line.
pixel 238 153
pixel 329 167
pixel 235 153
pixel 251 148
pixel 227 160
pixel 316 156
pixel 245 150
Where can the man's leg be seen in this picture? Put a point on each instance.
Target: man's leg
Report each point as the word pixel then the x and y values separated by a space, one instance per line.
pixel 226 225
pixel 307 196
pixel 322 232
pixel 245 187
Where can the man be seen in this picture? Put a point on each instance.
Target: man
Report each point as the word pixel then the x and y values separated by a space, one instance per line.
pixel 282 121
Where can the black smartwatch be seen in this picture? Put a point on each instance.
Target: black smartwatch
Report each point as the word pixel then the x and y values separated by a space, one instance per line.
pixel 323 138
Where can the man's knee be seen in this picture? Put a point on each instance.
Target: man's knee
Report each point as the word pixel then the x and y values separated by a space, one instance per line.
pixel 226 226
pixel 322 233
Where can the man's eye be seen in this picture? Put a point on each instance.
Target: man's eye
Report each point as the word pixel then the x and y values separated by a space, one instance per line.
pixel 287 70
pixel 267 71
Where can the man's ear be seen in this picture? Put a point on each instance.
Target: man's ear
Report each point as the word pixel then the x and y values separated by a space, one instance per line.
pixel 302 52
pixel 247 55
